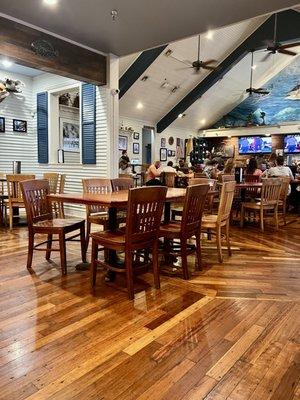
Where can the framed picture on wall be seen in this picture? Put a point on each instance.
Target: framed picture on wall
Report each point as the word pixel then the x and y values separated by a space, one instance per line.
pixel 136 136
pixel 123 141
pixel 19 125
pixel 173 153
pixel 163 153
pixel 169 153
pixel 163 142
pixel 136 148
pixel 2 124
pixel 69 134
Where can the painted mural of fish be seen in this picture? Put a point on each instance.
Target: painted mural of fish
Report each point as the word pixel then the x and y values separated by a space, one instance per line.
pixel 294 94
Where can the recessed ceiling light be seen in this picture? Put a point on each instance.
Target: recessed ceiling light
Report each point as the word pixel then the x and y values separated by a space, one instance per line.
pixel 254 66
pixel 181 115
pixel 203 121
pixel 139 105
pixel 209 35
pixel 6 63
pixel 50 2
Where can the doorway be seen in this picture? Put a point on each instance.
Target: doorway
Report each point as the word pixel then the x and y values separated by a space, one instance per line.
pixel 147 140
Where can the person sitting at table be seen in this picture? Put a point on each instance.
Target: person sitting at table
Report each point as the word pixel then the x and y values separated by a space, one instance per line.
pixel 152 175
pixel 280 170
pixel 252 168
pixel 211 169
pixel 169 167
pixel 124 162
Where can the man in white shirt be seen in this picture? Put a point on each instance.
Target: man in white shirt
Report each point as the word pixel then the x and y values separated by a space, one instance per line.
pixel 279 170
pixel 169 168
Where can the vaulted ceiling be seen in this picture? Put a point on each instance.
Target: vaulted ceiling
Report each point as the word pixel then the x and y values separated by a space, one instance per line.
pixel 157 101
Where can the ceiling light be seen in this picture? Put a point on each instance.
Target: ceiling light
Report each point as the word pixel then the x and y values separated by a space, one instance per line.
pixel 139 105
pixel 6 63
pixel 181 115
pixel 209 35
pixel 114 14
pixel 254 66
pixel 50 2
pixel 203 121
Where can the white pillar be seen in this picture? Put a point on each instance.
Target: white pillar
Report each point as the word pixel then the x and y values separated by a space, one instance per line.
pixel 112 115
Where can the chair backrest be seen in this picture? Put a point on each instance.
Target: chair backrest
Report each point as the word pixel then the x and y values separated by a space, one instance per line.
pixel 226 199
pixel 61 183
pixel 122 184
pixel 204 181
pixel 200 175
pixel 37 205
pixel 13 186
pixel 144 212
pixel 251 178
pixel 3 179
pixel 96 186
pixel 192 209
pixel 285 185
pixel 168 178
pixel 270 191
pixel 52 177
pixel 227 178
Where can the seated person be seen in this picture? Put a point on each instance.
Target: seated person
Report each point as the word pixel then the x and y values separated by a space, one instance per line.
pixel 211 169
pixel 280 170
pixel 124 163
pixel 252 168
pixel 169 167
pixel 152 175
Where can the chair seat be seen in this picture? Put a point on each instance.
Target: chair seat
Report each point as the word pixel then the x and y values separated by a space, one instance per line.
pixel 58 224
pixel 170 230
pixel 257 206
pixel 109 239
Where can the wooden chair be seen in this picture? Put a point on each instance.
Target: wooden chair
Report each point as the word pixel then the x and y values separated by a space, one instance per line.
pixel 14 193
pixel 3 197
pixel 52 178
pixel 283 197
pixel 122 184
pixel 200 175
pixel 190 225
pixel 96 214
pixel 40 220
pixel 222 219
pixel 226 178
pixel 252 192
pixel 251 178
pixel 204 181
pixel 268 203
pixel 145 207
pixel 57 183
pixel 168 178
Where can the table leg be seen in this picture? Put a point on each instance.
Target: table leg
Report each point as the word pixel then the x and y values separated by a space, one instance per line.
pixel 112 254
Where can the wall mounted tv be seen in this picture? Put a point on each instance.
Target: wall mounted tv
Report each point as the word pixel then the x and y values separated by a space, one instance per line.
pixel 255 144
pixel 292 143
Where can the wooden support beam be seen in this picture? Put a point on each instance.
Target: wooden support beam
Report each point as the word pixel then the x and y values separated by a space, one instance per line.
pixel 288 31
pixel 36 49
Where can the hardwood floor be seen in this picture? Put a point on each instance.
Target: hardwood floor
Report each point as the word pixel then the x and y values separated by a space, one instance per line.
pixel 231 332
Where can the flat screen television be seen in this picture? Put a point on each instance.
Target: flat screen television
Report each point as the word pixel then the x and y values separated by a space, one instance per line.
pixel 255 144
pixel 292 143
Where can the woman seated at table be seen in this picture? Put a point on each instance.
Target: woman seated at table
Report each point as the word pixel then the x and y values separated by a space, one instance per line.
pixel 228 168
pixel 152 175
pixel 252 168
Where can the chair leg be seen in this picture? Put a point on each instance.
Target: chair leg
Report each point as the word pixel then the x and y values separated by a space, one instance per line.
pixel 63 253
pixel 49 246
pixel 88 231
pixel 276 217
pixel 155 265
pixel 219 244
pixel 262 219
pixel 94 258
pixel 30 249
pixel 129 274
pixel 10 218
pixel 242 216
pixel 83 244
pixel 228 238
pixel 198 252
pixel 184 265
pixel 61 211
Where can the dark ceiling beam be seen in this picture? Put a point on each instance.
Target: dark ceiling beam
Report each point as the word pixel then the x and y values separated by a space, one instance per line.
pixel 138 67
pixel 288 23
pixel 36 49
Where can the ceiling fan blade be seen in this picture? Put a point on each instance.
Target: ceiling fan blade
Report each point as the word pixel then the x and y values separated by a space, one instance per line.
pixel 266 57
pixel 208 67
pixel 287 52
pixel 208 62
pixel 183 62
pixel 287 46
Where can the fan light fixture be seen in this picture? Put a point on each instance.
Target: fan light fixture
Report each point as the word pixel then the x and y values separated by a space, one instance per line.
pixel 139 105
pixel 209 35
pixel 6 63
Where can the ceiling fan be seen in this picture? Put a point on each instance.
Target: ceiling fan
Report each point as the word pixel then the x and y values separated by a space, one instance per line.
pixel 196 65
pixel 251 89
pixel 276 47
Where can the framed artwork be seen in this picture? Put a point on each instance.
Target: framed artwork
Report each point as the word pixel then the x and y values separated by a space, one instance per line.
pixel 136 148
pixel 163 153
pixel 163 142
pixel 179 148
pixel 136 136
pixel 69 134
pixel 123 140
pixel 2 124
pixel 173 153
pixel 171 140
pixel 19 125
pixel 169 153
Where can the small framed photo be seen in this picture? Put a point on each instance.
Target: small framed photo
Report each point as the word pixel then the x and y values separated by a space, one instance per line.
pixel 136 136
pixel 163 154
pixel 123 140
pixel 136 148
pixel 163 142
pixel 2 124
pixel 173 153
pixel 169 153
pixel 19 125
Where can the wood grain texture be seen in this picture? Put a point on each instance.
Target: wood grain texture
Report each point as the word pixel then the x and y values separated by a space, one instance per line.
pixel 229 333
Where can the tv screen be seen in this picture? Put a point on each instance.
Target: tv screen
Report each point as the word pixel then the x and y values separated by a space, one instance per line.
pixel 292 143
pixel 255 144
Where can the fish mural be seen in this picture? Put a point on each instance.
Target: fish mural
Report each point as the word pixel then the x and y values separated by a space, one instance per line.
pixel 280 105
